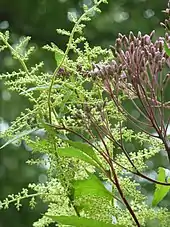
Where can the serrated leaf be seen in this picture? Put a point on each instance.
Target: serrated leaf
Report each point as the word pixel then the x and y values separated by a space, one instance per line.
pixel 167 49
pixel 81 221
pixel 85 148
pixel 75 153
pixel 18 136
pixel 59 54
pixel 161 190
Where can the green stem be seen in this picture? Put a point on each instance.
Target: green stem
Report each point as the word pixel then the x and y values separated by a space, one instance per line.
pixel 65 55
pixel 13 51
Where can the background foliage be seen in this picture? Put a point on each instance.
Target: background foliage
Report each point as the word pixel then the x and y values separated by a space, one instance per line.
pixel 39 19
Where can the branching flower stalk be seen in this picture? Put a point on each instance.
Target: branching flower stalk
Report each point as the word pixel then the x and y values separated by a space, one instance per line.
pixel 77 28
pixel 16 55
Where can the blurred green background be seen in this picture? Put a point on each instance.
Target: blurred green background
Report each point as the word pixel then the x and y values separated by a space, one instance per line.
pixel 39 19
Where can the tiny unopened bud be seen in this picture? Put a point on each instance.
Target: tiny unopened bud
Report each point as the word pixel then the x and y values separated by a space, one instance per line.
pixel 118 44
pixel 113 51
pixel 167 11
pixel 131 36
pixel 139 35
pixel 168 4
pixel 147 39
pixel 167 77
pixel 120 35
pixel 161 45
pixel 125 41
pixel 167 24
pixel 163 25
pixel 166 36
pixel 152 34
pixel 163 60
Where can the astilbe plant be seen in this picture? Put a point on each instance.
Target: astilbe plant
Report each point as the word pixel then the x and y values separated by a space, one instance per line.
pixel 78 122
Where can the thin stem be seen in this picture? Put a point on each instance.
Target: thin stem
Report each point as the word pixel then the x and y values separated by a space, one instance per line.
pixel 138 173
pixel 23 197
pixel 116 181
pixel 64 181
pixel 66 54
pixel 13 51
pixel 123 197
pixel 122 110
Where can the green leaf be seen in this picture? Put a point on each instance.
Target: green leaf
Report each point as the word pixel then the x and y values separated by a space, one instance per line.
pixel 81 221
pixel 59 54
pixel 91 186
pixel 167 49
pixel 18 136
pixel 75 153
pixel 85 148
pixel 161 190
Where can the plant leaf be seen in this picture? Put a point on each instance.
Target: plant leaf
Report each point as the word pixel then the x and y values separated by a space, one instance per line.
pixel 85 148
pixel 161 190
pixel 81 221
pixel 18 136
pixel 75 153
pixel 167 49
pixel 91 186
pixel 59 54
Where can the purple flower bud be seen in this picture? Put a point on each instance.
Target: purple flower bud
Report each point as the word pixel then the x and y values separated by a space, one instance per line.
pixel 147 39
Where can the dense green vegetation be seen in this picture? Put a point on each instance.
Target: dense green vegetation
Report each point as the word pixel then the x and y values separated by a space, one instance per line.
pixel 65 119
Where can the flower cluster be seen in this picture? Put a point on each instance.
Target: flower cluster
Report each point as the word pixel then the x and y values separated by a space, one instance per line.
pixel 139 71
pixel 138 62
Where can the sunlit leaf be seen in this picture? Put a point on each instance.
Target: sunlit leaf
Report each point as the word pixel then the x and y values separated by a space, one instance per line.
pixel 75 153
pixel 161 190
pixel 81 221
pixel 59 54
pixel 85 148
pixel 92 186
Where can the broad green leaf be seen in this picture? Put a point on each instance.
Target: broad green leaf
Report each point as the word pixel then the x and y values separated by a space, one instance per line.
pixel 59 54
pixel 18 136
pixel 81 221
pixel 91 186
pixel 161 190
pixel 167 49
pixel 75 153
pixel 85 148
